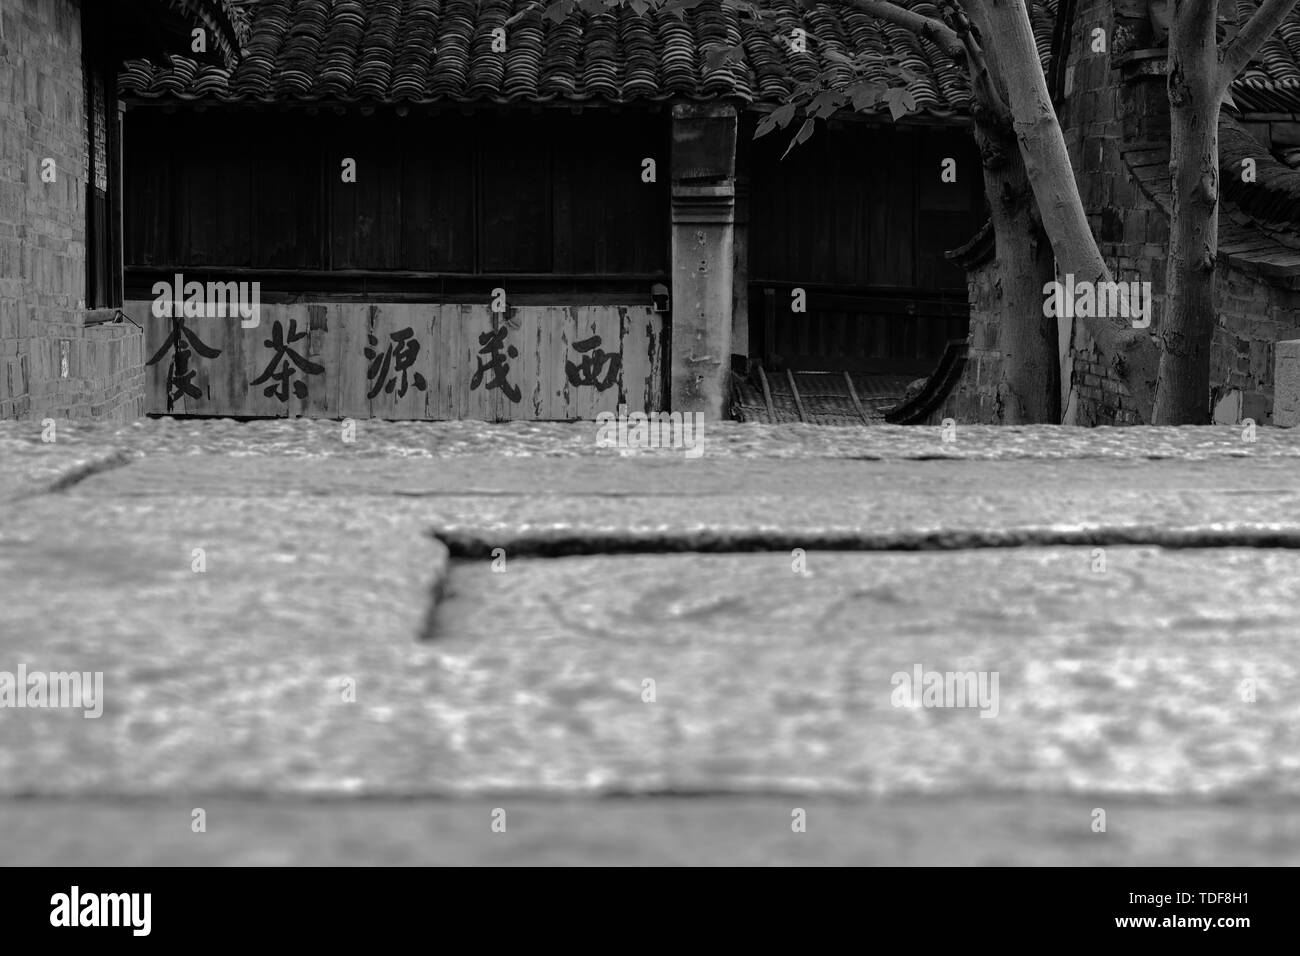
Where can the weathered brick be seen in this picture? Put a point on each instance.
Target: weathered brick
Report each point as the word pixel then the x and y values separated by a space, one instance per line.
pixel 43 228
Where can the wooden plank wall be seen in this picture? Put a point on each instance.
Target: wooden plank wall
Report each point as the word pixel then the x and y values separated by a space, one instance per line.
pixel 329 374
pixel 860 334
pixel 446 194
pixel 860 218
pixel 863 207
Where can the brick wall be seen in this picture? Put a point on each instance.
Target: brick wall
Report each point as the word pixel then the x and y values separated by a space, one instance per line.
pixel 1106 113
pixel 1130 230
pixel 1101 117
pixel 976 398
pixel 1255 312
pixel 50 365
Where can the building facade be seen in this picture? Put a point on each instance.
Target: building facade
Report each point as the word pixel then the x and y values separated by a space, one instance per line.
pixel 61 353
pixel 1113 102
pixel 535 219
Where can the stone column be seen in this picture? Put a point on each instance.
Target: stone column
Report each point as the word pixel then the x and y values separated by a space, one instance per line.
pixel 703 235
pixel 1286 384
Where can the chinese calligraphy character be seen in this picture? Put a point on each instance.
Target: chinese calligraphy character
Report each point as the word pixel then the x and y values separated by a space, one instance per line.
pixel 405 355
pixel 284 355
pixel 492 341
pixel 180 377
pixel 587 371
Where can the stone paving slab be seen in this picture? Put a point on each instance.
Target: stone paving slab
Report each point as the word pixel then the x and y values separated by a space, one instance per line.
pixel 377 439
pixel 531 680
pixel 232 674
pixel 583 505
pixel 1011 830
pixel 837 479
pixel 528 684
pixel 1126 680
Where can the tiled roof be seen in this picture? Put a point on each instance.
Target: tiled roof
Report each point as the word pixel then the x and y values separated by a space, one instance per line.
pixel 222 19
pixel 1272 81
pixel 429 51
pixel 383 51
pixel 1258 220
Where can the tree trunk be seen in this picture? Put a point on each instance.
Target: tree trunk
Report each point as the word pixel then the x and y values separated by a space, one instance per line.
pixel 1187 326
pixel 1131 353
pixel 1029 389
pixel 1030 386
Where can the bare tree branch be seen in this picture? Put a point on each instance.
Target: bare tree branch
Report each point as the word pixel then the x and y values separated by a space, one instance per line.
pixel 933 30
pixel 983 88
pixel 1234 57
pixel 956 40
pixel 523 12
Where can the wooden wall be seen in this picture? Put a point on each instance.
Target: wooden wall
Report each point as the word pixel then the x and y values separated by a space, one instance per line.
pixel 859 217
pixel 863 206
pixel 337 366
pixel 551 207
pixel 858 332
pixel 487 194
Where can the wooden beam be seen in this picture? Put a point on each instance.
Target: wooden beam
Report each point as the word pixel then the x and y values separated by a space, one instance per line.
pixel 853 394
pixel 767 396
pixel 794 390
pixel 769 324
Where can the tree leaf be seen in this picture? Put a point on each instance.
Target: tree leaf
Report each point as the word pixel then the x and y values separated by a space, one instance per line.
pixel 825 104
pixel 782 115
pixel 901 102
pixel 865 95
pixel 558 10
pixel 805 132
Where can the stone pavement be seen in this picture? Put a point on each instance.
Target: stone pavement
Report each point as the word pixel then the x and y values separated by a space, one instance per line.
pixel 352 677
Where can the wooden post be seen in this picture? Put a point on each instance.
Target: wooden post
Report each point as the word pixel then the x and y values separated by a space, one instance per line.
pixel 769 326
pixel 740 298
pixel 703 253
pixel 117 110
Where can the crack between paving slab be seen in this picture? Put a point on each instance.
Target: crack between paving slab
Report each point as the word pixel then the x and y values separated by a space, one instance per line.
pixel 109 798
pixel 470 493
pixel 475 545
pixel 79 474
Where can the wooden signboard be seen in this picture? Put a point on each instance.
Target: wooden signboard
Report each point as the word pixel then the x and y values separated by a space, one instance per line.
pixel 400 361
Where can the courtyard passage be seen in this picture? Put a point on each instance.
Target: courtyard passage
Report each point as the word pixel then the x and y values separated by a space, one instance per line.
pixel 358 650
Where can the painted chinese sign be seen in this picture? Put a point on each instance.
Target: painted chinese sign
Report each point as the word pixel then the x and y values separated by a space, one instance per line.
pixel 398 361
